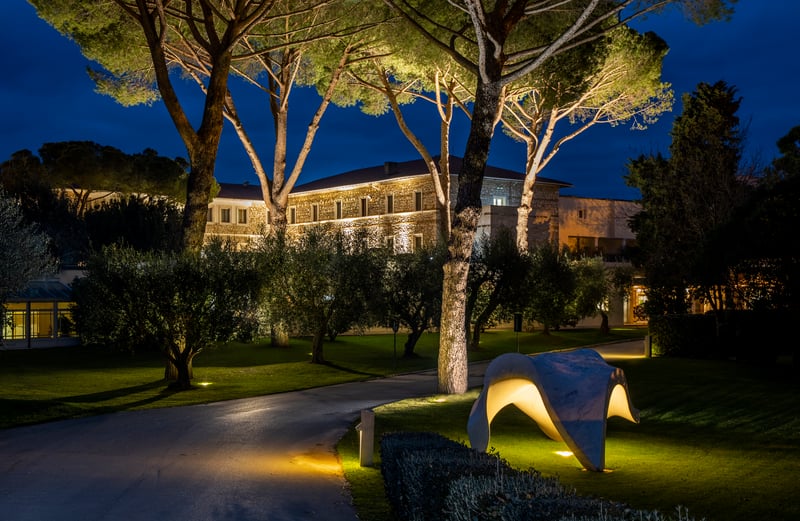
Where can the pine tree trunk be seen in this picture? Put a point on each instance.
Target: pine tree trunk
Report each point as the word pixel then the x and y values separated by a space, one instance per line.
pixel 203 155
pixel 452 364
pixel 453 377
pixel 523 215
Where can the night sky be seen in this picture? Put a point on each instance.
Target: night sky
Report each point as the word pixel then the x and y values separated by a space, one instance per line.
pixel 46 96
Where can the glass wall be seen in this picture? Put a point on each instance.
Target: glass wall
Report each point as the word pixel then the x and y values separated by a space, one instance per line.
pixel 42 319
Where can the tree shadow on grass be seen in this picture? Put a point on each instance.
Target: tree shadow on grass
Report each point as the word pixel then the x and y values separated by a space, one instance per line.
pixel 111 394
pixel 350 370
pixel 17 412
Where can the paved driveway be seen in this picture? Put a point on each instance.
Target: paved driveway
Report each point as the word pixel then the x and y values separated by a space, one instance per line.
pixel 267 458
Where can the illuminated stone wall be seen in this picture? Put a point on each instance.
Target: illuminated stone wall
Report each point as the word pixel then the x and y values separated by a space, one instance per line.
pixel 389 208
pixel 400 210
pixel 226 214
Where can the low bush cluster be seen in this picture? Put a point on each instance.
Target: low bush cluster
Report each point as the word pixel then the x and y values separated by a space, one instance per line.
pixel 428 476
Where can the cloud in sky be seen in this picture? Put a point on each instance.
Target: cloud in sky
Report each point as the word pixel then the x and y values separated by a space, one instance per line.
pixel 46 96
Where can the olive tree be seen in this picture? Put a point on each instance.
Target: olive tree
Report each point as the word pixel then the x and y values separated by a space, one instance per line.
pixel 322 282
pixel 551 289
pixel 177 303
pixel 497 279
pixel 412 290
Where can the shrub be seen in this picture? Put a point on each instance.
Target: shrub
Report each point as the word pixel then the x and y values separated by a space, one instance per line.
pixel 429 477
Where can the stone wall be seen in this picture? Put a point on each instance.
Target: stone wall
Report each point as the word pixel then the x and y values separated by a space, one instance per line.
pixel 400 210
pixel 388 208
pixel 240 233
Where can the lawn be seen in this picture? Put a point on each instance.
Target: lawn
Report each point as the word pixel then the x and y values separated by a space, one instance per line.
pixel 716 437
pixel 719 438
pixel 50 384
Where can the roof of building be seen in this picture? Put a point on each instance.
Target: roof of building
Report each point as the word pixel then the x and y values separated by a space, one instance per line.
pixel 374 174
pixel 43 291
pixel 240 191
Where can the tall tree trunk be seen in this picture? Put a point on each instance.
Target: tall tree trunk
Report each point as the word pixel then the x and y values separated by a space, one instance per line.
pixel 534 154
pixel 452 364
pixel 201 146
pixel 526 201
pixel 203 156
pixel 198 195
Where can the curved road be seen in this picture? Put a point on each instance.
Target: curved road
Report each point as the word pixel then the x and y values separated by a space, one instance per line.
pixel 265 458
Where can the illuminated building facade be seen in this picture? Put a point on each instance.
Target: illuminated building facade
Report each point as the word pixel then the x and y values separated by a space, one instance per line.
pixel 39 316
pixel 599 227
pixel 396 200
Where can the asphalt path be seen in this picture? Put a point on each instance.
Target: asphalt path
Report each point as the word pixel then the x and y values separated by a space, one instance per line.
pixel 269 458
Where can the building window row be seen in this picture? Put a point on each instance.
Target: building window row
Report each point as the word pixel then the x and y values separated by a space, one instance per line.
pixel 403 243
pixel 233 215
pixel 363 208
pixel 224 215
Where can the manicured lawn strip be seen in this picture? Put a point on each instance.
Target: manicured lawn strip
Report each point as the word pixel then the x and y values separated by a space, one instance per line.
pixel 49 384
pixel 718 438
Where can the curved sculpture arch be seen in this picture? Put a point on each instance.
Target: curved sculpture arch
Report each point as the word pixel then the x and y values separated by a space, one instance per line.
pixel 569 394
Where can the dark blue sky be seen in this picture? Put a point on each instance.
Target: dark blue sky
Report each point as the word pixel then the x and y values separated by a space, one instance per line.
pixel 46 96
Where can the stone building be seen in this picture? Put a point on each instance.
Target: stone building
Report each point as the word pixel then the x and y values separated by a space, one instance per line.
pixel 396 200
pixel 599 227
pixel 596 226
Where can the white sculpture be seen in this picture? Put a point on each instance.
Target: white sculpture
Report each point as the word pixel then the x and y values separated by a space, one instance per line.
pixel 569 394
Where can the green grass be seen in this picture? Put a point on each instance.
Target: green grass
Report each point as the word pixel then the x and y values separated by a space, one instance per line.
pixel 718 438
pixel 49 384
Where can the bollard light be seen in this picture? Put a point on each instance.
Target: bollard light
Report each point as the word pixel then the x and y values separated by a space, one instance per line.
pixel 366 437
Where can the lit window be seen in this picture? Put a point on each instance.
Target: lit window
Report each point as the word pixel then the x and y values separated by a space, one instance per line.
pixel 499 200
pixel 338 209
pixel 241 215
pixel 224 215
pixel 292 215
pixel 418 201
pixel 364 207
pixel 390 203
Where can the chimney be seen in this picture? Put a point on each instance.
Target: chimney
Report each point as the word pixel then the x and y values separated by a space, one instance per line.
pixel 389 168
